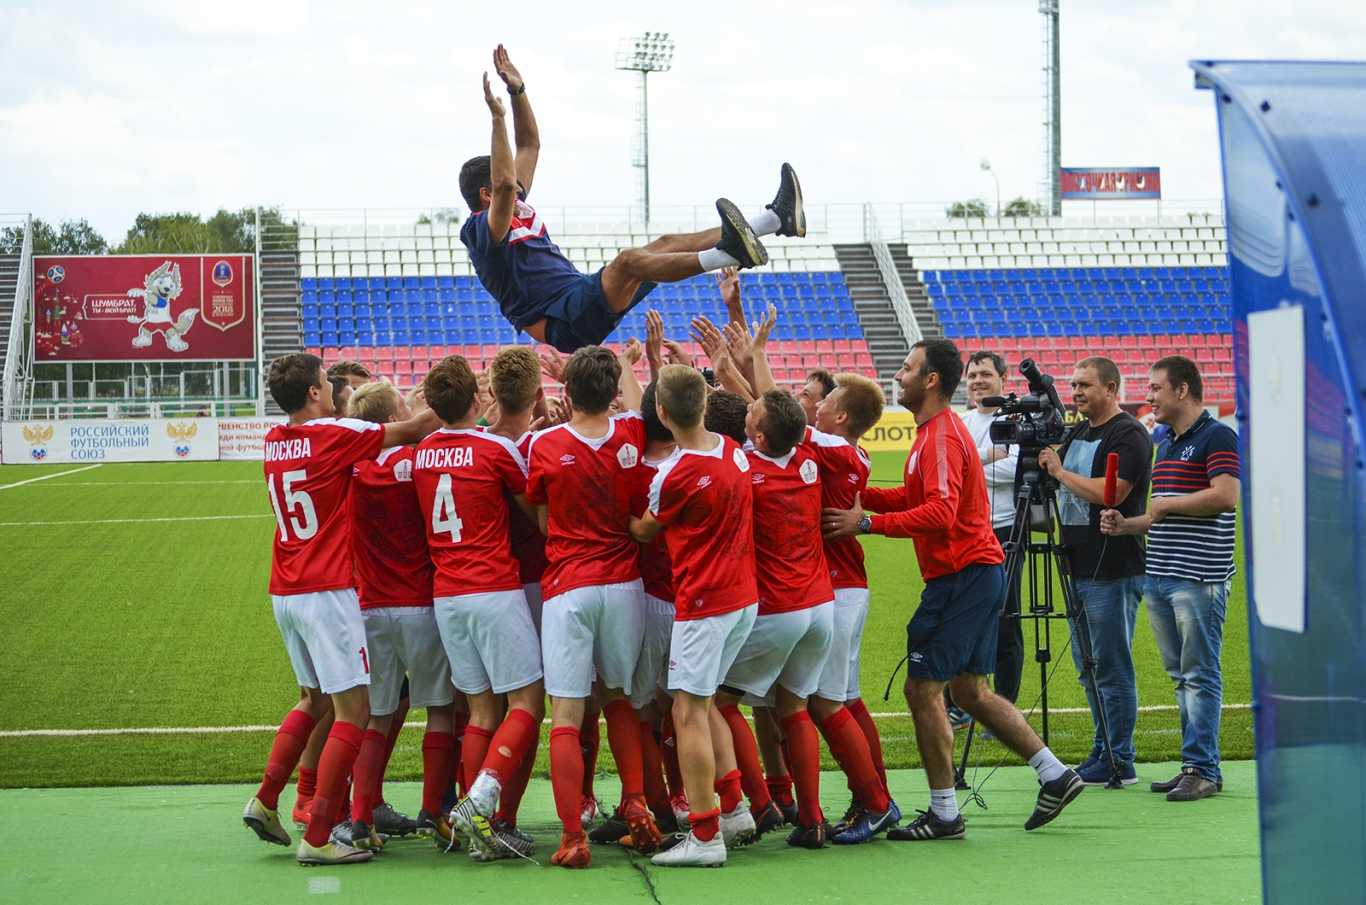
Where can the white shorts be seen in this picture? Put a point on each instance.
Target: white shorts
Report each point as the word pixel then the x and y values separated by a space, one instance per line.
pixel 652 669
pixel 325 638
pixel 404 639
pixel 787 649
pixel 598 627
pixel 533 602
pixel 702 651
pixel 489 640
pixel 840 678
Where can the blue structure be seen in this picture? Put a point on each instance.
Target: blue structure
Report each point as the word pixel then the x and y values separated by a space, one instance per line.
pixel 1294 157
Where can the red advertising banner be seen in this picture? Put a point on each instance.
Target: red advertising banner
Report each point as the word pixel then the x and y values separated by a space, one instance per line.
pixel 144 308
pixel 1110 183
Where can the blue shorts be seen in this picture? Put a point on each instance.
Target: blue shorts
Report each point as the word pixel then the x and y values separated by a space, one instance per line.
pixel 953 632
pixel 579 316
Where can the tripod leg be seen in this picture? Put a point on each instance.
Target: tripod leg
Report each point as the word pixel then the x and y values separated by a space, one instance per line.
pixel 960 775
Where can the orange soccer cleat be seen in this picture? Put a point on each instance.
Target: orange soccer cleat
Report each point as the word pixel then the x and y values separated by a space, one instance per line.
pixel 573 851
pixel 645 835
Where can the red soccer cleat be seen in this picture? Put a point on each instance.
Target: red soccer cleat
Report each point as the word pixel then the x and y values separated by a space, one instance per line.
pixel 645 835
pixel 573 851
pixel 300 813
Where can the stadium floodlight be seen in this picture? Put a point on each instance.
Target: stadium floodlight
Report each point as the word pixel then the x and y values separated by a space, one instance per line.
pixel 650 52
pixel 985 167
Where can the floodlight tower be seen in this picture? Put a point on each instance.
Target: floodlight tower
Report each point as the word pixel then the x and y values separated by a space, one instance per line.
pixel 650 52
pixel 1052 110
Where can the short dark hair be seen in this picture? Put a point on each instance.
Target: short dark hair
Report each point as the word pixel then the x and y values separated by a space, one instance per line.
pixel 1105 369
pixel 476 174
pixel 726 415
pixel 1179 370
pixel 824 378
pixel 347 368
pixel 649 413
pixel 997 362
pixel 450 388
pixel 590 379
pixel 290 377
pixel 783 424
pixel 942 358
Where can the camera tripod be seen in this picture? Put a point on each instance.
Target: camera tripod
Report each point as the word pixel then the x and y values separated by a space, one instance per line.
pixel 1038 562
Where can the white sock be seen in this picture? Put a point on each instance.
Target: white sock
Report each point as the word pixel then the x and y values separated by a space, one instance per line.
pixel 765 223
pixel 1047 765
pixel 715 259
pixel 944 804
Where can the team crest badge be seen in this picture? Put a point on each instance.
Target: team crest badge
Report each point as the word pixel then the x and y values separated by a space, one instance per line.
pixel 222 273
pixel 808 471
pixel 182 434
pixel 38 438
pixel 628 455
pixel 403 471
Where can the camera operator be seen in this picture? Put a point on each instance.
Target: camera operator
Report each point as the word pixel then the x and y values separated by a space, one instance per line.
pixel 986 375
pixel 1108 572
pixel 1190 524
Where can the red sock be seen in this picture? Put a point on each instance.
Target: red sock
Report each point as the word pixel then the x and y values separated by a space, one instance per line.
pixel 290 740
pixel 339 754
pixel 673 773
pixel 459 722
pixel 308 785
pixel 652 767
pixel 623 734
pixel 706 825
pixel 390 741
pixel 747 759
pixel 805 751
pixel 859 710
pixel 473 752
pixel 780 787
pixel 366 772
pixel 590 739
pixel 438 748
pixel 566 776
pixel 850 748
pixel 728 788
pixel 513 790
pixel 514 737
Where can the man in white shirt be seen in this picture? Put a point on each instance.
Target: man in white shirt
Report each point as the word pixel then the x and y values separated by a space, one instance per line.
pixel 986 374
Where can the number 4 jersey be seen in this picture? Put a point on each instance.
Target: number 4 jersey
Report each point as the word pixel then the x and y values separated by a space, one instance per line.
pixel 463 478
pixel 308 477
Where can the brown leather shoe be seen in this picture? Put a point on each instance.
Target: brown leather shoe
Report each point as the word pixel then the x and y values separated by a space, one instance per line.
pixel 1192 787
pixel 1164 787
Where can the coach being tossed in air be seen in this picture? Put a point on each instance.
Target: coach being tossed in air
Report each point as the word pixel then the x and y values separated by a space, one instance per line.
pixel 951 638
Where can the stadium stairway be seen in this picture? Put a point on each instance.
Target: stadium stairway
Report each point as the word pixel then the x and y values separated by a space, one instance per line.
pixel 873 306
pixel 9 281
pixel 917 292
pixel 281 318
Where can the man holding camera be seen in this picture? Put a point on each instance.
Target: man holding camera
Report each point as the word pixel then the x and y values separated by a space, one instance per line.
pixel 1107 571
pixel 1190 525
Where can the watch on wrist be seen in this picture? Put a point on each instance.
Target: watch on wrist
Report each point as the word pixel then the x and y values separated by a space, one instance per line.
pixel 513 92
pixel 865 524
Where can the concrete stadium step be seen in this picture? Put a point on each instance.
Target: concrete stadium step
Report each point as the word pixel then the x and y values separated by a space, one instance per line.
pixel 873 306
pixel 916 292
pixel 281 317
pixel 9 281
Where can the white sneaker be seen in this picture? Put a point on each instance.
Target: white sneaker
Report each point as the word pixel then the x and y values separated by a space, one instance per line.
pixel 737 827
pixel 264 822
pixel 693 852
pixel 332 853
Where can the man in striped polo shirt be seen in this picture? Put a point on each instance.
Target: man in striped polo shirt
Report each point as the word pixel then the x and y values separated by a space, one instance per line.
pixel 1190 526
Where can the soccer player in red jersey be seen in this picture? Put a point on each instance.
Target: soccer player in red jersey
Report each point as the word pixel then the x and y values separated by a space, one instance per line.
pixel 308 466
pixel 700 497
pixel 593 615
pixel 463 477
pixel 951 638
pixel 389 543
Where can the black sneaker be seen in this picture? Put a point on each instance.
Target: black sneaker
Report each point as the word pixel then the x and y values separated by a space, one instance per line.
pixel 391 822
pixel 787 204
pixel 851 813
pixel 812 837
pixel 789 813
pixel 1053 797
pixel 610 831
pixel 929 825
pixel 1170 785
pixel 768 820
pixel 1193 787
pixel 737 236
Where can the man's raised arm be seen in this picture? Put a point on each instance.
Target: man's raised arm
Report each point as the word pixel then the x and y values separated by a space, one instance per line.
pixel 502 174
pixel 524 131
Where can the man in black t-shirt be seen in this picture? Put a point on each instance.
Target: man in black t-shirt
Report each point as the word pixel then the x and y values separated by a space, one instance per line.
pixel 1108 573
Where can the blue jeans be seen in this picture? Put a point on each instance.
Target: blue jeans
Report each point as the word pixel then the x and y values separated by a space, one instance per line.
pixel 1111 608
pixel 1188 620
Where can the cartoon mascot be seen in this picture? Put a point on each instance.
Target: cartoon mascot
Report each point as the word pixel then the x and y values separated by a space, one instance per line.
pixel 160 288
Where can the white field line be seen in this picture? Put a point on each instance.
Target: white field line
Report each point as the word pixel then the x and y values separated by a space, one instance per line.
pixel 225 730
pixel 134 521
pixel 55 474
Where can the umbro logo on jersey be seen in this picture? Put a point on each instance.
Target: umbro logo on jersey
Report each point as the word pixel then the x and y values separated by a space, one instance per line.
pixel 628 455
pixel 704 481
pixel 808 471
pixel 916 656
pixel 757 478
pixel 853 478
pixel 567 459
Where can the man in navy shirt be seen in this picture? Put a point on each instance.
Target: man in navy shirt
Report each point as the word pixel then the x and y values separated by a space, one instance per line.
pixel 1190 525
pixel 539 291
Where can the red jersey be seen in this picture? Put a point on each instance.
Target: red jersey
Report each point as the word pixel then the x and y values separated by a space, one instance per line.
pixel 528 543
pixel 704 502
pixel 656 571
pixel 943 504
pixel 388 534
pixel 585 483
pixel 308 478
pixel 844 474
pixel 463 478
pixel 789 558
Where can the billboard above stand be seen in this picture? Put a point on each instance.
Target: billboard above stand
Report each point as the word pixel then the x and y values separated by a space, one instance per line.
pixel 1110 183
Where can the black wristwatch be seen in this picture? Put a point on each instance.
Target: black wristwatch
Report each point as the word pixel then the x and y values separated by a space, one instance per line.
pixel 521 90
pixel 865 524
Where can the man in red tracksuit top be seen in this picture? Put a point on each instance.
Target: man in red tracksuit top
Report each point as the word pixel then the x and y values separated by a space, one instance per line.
pixel 951 638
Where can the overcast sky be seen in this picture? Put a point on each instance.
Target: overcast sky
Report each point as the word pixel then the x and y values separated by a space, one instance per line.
pixel 108 109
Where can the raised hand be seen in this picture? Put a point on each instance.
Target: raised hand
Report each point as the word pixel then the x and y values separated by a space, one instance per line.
pixel 654 341
pixel 764 327
pixel 677 354
pixel 552 363
pixel 502 65
pixel 740 344
pixel 632 352
pixel 705 334
pixel 495 105
pixel 728 282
